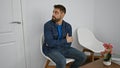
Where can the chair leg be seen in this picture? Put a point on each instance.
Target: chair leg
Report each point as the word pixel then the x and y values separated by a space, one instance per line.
pixel 92 57
pixel 68 65
pixel 91 53
pixel 47 63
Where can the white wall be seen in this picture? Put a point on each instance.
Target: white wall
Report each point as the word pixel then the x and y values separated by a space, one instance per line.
pixel 107 22
pixel 36 12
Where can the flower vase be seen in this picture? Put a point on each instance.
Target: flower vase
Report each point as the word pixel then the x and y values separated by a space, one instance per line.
pixel 107 59
pixel 107 63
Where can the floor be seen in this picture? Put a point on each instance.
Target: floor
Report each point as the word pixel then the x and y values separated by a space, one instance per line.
pixel 68 65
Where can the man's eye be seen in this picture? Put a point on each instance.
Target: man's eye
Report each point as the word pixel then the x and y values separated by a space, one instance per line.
pixel 56 12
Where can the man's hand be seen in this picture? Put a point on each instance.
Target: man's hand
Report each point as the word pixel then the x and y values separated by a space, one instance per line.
pixel 69 39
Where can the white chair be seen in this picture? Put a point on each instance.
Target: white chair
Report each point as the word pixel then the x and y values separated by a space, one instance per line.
pixel 87 39
pixel 47 65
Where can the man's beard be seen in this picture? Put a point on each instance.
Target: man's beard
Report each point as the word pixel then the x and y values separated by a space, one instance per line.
pixel 55 19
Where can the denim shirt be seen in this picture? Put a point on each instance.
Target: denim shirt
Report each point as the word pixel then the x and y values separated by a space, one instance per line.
pixel 51 40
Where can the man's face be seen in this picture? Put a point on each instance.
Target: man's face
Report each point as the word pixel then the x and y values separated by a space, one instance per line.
pixel 57 15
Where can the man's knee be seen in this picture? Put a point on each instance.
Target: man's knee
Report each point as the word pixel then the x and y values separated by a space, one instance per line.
pixel 83 57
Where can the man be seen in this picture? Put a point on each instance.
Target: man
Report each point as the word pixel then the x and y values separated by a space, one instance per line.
pixel 58 39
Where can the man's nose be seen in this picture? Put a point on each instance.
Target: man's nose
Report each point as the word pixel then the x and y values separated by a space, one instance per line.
pixel 53 14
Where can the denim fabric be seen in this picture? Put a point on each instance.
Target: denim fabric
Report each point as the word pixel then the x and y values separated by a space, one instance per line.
pixel 59 49
pixel 59 57
pixel 52 40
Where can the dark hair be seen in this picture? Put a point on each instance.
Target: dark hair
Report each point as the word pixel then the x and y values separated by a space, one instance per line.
pixel 61 7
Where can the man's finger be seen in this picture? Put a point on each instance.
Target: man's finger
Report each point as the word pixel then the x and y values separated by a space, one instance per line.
pixel 67 35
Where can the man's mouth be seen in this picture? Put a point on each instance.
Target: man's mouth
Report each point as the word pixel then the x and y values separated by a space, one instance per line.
pixel 53 18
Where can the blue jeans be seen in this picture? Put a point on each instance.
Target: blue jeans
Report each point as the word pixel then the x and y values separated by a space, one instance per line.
pixel 59 57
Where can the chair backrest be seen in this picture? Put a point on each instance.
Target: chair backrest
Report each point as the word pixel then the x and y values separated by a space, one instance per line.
pixel 87 39
pixel 41 45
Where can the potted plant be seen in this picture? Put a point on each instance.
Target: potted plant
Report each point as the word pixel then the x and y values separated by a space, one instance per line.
pixel 107 54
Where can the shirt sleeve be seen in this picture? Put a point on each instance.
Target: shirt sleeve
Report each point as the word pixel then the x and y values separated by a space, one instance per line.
pixel 69 30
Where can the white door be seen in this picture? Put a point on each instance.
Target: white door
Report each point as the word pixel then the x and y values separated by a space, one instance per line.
pixel 11 35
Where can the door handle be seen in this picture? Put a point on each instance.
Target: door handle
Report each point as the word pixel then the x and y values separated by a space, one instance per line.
pixel 16 22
